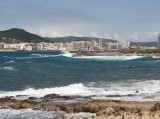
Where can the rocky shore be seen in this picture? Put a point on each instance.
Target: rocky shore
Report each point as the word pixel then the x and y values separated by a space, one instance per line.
pixel 103 109
pixel 116 54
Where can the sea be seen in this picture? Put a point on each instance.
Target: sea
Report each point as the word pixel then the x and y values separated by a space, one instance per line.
pixel 40 73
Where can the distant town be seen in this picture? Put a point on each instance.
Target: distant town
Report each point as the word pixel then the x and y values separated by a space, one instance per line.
pixel 93 45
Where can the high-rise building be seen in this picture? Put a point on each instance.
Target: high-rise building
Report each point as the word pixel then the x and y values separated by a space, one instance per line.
pixel 93 43
pixel 159 40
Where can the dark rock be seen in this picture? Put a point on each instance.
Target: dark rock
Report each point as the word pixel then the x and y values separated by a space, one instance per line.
pixel 21 95
pixel 147 97
pixel 156 107
pixel 130 95
pixel 113 96
pixel 137 91
pixel 32 98
pixel 51 96
pixel 23 105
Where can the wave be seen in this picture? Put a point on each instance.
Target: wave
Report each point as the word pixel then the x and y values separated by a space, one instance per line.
pixel 25 114
pixel 121 58
pixel 37 114
pixel 8 68
pixel 38 55
pixel 100 90
pixel 9 62
pixel 155 57
pixel 67 54
pixel 73 89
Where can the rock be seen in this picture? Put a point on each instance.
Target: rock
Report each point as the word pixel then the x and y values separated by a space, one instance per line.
pixel 51 96
pixel 23 105
pixel 6 100
pixel 147 97
pixel 32 98
pixel 156 107
pixel 130 95
pixel 113 95
pixel 21 95
pixel 137 91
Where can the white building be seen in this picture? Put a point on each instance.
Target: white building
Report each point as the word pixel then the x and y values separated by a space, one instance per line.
pixel 39 46
pixel 28 48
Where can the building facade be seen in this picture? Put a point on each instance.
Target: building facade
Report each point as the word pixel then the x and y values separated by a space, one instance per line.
pixel 159 40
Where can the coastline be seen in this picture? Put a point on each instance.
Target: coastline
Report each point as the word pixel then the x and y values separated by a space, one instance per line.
pixel 111 109
pixel 116 54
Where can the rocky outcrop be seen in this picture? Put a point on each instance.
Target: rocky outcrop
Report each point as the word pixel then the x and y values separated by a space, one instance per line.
pixel 103 109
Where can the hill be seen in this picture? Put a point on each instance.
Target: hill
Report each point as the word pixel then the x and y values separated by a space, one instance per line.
pixel 73 38
pixel 149 44
pixel 16 35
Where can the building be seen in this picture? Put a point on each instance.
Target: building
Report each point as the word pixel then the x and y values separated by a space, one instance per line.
pixel 93 43
pixel 159 40
pixel 3 45
pixel 101 43
pixel 39 46
pixel 123 44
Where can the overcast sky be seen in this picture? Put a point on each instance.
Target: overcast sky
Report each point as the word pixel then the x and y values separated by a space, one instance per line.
pixel 132 20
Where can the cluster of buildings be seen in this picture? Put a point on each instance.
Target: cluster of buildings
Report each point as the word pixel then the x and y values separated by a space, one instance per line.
pixel 110 46
pixel 69 46
pixel 92 45
pixel 43 46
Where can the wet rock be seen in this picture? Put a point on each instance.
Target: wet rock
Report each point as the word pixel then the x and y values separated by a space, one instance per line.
pixel 32 98
pixel 130 95
pixel 113 95
pixel 51 96
pixel 54 96
pixel 137 91
pixel 119 108
pixel 21 95
pixel 6 100
pixel 156 107
pixel 147 97
pixel 23 105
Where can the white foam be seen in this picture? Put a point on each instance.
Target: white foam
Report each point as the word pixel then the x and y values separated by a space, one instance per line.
pixel 121 58
pixel 67 54
pixel 155 57
pixel 100 89
pixel 37 114
pixel 9 62
pixel 25 114
pixel 42 55
pixel 73 89
pixel 7 68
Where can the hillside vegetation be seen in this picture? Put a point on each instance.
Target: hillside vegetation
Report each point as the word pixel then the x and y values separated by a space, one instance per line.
pixel 15 35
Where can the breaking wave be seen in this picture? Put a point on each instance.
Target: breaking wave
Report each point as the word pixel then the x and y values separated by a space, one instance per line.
pixel 99 90
pixel 67 54
pixel 8 68
pixel 121 58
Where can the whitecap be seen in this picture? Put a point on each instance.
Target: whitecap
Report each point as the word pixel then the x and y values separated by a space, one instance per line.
pixel 9 62
pixel 67 54
pixel 116 58
pixel 8 68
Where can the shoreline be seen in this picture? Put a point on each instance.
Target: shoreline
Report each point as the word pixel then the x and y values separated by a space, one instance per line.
pixel 111 109
pixel 116 54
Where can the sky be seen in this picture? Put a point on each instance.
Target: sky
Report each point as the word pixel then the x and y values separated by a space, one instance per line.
pixel 130 20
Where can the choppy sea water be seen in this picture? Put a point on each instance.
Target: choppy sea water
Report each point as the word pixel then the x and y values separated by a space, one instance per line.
pixel 40 73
